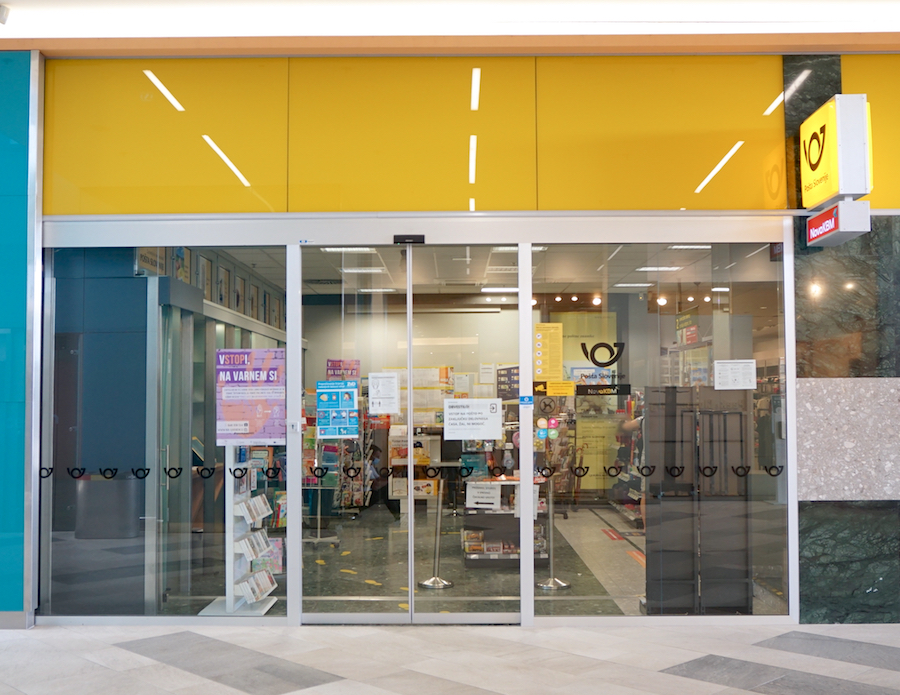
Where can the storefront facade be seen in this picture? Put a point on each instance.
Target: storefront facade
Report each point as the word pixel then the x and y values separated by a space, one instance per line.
pixel 360 226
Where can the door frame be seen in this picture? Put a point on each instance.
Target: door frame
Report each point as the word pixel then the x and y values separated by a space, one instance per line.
pixel 294 230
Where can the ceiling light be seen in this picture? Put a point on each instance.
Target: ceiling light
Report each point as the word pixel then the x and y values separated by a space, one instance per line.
pixel 612 255
pixel 224 158
pixel 731 266
pixel 533 302
pixel 376 290
pixel 753 253
pixel 473 147
pixel 707 298
pixel 502 290
pixel 815 289
pixel 515 249
pixel 488 299
pixel 574 298
pixel 162 88
pixel 596 301
pixel 690 247
pixel 471 205
pixel 788 93
pixel 662 301
pixel 557 299
pixel 849 286
pixel 363 271
pixel 347 249
pixel 657 268
pixel 633 284
pixel 476 88
pixel 690 299
pixel 502 299
pixel 721 289
pixel 718 167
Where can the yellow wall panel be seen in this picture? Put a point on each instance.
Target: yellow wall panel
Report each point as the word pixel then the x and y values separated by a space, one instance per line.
pixel 373 134
pixel 644 132
pixel 115 144
pixel 876 76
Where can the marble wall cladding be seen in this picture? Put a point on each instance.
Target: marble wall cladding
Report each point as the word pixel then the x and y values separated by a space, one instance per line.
pixel 848 442
pixel 809 81
pixel 848 306
pixel 849 562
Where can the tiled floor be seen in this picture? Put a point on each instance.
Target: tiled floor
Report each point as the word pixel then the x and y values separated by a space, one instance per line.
pixel 452 660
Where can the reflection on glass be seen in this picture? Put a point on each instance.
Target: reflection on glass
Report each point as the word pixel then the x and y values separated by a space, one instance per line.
pixel 136 496
pixel 658 429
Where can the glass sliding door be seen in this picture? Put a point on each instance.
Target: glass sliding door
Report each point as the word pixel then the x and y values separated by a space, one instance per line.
pixel 356 516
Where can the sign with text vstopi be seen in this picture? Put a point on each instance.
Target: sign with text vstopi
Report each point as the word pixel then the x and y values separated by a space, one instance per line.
pixel 250 397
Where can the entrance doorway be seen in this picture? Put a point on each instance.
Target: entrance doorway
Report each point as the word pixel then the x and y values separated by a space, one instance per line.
pixel 472 432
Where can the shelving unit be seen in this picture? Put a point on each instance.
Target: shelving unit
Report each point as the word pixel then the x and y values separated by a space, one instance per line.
pixel 246 592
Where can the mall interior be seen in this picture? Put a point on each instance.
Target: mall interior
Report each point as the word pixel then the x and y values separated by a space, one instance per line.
pixel 433 325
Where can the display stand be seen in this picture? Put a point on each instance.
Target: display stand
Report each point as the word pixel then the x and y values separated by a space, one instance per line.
pixel 246 592
pixel 551 584
pixel 315 535
pixel 435 582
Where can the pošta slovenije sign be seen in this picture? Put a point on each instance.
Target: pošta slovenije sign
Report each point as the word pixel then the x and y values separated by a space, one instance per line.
pixel 250 397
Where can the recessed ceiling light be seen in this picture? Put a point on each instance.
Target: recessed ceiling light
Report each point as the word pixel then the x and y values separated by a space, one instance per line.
pixel 347 249
pixel 720 289
pixel 514 249
pixel 376 290
pixel 363 271
pixel 557 299
pixel 633 284
pixel 596 301
pixel 488 299
pixel 533 302
pixel 657 268
pixel 662 301
pixel 500 290
pixel 690 299
pixel 707 298
pixel 690 247
pixel 574 298
pixel 849 286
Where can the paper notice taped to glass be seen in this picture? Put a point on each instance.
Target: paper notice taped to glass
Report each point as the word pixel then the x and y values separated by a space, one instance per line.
pixel 473 418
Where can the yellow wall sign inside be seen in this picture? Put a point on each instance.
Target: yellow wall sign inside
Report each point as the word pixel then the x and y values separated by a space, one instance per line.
pixel 548 352
pixel 819 174
pixel 836 151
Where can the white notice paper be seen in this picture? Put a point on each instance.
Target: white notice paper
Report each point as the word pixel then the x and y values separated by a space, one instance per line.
pixel 487 373
pixel 473 418
pixel 483 496
pixel 384 393
pixel 735 375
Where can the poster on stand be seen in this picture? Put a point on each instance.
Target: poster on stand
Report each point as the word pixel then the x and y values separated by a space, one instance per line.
pixel 337 410
pixel 250 397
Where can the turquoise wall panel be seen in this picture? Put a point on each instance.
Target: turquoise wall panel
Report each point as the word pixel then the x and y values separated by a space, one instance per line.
pixel 15 69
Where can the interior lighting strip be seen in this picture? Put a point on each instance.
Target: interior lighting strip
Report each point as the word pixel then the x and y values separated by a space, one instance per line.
pixel 163 90
pixel 228 162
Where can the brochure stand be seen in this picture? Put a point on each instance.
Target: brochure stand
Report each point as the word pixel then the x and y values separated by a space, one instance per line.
pixel 246 592
pixel 436 582
pixel 551 584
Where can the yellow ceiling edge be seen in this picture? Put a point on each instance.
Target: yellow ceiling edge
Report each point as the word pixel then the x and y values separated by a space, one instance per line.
pixel 461 45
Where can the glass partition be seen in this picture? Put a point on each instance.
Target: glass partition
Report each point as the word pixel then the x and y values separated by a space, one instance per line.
pixel 659 421
pixel 164 488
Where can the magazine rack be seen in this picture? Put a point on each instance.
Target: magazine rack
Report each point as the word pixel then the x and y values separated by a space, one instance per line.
pixel 246 592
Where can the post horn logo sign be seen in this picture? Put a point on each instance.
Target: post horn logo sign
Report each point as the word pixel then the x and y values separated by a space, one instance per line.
pixel 615 353
pixel 818 139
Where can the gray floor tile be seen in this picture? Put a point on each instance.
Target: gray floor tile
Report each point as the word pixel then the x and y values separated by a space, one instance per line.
pixel 851 651
pixel 228 664
pixel 811 684
pixel 726 671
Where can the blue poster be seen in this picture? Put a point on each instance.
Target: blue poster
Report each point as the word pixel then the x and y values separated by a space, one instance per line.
pixel 337 413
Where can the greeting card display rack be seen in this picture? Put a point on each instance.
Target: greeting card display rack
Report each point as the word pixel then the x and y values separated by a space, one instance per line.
pixel 246 592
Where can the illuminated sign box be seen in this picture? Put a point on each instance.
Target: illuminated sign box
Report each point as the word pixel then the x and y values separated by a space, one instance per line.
pixel 836 152
pixel 839 223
